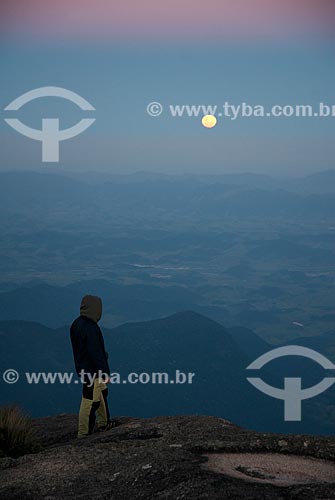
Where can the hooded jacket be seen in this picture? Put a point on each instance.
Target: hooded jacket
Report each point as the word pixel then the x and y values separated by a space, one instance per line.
pixel 87 341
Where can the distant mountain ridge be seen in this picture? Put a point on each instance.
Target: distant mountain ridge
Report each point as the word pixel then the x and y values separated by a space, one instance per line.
pixel 233 194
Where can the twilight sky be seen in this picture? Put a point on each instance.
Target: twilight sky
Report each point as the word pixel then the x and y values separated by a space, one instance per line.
pixel 175 18
pixel 122 55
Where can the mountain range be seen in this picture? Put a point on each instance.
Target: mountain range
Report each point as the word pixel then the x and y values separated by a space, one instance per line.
pixel 185 341
pixel 248 194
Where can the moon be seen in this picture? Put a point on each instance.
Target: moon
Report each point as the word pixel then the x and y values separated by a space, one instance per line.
pixel 209 121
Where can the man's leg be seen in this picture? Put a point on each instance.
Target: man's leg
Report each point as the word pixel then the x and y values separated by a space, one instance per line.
pixel 105 400
pixel 87 410
pixel 103 418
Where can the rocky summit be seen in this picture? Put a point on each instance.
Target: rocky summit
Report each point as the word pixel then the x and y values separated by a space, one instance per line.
pixel 182 457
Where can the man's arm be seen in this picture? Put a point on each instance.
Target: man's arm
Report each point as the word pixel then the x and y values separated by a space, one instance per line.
pixel 96 350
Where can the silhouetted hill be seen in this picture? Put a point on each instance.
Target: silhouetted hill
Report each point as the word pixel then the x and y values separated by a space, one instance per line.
pixel 186 341
pixel 56 306
pixel 250 343
pixel 324 343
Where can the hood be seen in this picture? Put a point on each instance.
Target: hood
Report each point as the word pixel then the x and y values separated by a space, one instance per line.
pixel 91 307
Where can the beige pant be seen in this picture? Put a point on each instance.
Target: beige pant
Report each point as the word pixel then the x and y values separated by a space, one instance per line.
pixel 92 408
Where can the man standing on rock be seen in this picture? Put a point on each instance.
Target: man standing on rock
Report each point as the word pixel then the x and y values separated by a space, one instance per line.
pixel 91 365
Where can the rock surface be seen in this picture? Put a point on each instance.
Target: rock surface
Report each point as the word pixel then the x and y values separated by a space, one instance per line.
pixel 168 458
pixel 273 468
